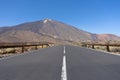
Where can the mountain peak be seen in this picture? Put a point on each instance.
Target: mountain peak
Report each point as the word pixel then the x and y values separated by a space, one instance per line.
pixel 49 30
pixel 46 20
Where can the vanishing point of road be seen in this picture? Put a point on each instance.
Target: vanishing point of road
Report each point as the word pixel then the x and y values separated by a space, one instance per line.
pixel 61 63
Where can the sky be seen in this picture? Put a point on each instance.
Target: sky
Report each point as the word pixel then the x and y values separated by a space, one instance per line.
pixel 95 16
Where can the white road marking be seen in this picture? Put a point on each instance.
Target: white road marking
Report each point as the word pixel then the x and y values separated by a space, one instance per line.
pixel 64 70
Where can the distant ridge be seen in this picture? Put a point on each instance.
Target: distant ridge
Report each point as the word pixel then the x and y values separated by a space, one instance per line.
pixel 51 31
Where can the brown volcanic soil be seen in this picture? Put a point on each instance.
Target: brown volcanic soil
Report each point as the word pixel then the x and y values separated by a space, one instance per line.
pixel 48 30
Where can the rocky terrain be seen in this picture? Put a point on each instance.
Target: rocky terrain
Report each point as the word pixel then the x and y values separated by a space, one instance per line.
pixel 48 30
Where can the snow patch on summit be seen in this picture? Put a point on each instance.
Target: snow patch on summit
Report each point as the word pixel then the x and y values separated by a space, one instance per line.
pixel 46 20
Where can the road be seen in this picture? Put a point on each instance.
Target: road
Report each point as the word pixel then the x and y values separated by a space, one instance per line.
pixel 61 63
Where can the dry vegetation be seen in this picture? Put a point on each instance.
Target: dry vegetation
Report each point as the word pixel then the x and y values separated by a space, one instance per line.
pixel 114 49
pixel 12 51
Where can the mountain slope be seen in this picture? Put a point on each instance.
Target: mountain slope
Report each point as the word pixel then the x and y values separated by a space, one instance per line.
pixel 47 30
pixel 107 37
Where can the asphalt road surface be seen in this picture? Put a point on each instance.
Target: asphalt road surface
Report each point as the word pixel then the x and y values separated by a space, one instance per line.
pixel 61 63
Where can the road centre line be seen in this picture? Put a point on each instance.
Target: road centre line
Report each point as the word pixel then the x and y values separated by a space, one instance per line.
pixel 64 70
